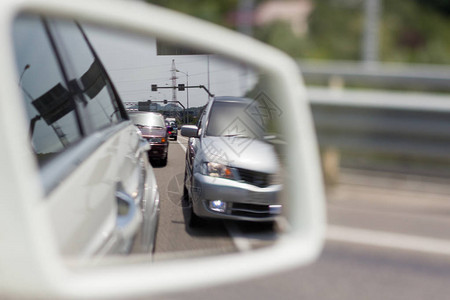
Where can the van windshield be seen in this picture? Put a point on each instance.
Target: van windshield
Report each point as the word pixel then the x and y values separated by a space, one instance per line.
pixel 147 120
pixel 230 119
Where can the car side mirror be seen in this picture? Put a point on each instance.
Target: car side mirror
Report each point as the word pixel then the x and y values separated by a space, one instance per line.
pixel 189 131
pixel 32 264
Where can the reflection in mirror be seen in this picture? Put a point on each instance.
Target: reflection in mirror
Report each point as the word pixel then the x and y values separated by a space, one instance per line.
pixel 52 125
pixel 215 187
pixel 222 184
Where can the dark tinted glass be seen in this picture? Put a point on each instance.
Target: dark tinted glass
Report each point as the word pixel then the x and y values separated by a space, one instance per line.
pixel 86 71
pixel 49 105
pixel 231 119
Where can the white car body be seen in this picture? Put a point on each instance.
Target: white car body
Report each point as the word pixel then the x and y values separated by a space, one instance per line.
pixel 97 186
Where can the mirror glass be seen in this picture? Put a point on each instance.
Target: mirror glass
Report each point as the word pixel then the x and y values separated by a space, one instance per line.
pixel 219 187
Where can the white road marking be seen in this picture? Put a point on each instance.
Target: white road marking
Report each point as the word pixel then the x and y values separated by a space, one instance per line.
pixel 181 143
pixel 242 243
pixel 388 240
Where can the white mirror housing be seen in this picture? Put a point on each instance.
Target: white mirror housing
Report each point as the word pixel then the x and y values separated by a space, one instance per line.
pixel 30 264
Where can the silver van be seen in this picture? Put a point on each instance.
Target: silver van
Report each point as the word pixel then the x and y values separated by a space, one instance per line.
pixel 231 171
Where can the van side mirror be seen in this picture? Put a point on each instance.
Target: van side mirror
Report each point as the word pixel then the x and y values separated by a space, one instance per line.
pixel 189 131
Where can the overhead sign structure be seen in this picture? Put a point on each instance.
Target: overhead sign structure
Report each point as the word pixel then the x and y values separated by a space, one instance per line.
pixel 181 87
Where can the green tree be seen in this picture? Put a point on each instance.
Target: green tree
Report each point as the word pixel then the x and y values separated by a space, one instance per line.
pixel 411 31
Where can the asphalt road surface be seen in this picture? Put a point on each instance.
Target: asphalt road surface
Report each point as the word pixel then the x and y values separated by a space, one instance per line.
pixel 388 238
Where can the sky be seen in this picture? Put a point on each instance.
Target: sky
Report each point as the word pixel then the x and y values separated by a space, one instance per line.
pixel 133 65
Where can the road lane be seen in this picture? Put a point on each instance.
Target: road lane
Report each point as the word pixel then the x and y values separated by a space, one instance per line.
pixel 416 210
pixel 399 228
pixel 174 238
pixel 411 210
pixel 346 272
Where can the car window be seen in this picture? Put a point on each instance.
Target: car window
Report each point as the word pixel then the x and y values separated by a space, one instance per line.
pixel 148 120
pixel 86 73
pixel 49 105
pixel 230 119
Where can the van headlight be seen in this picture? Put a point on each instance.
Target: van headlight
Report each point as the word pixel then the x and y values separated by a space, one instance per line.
pixel 218 170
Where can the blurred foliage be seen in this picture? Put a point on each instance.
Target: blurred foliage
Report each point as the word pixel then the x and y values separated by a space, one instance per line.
pixel 334 32
pixel 216 11
pixel 416 31
pixel 441 6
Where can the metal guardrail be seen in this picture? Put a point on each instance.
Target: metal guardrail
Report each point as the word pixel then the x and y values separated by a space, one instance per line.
pixel 406 132
pixel 378 75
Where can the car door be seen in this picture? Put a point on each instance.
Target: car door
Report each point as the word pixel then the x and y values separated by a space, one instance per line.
pixel 88 152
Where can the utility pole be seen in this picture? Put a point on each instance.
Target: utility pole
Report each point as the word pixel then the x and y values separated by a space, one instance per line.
pixel 370 43
pixel 207 71
pixel 244 17
pixel 27 66
pixel 174 80
pixel 187 91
